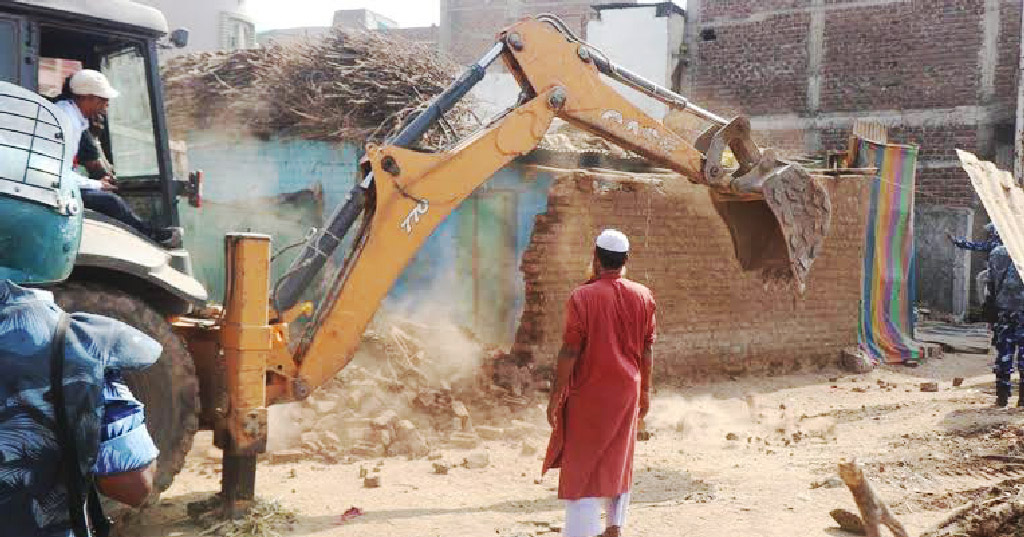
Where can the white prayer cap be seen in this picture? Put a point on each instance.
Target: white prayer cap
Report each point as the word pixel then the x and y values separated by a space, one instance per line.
pixel 613 240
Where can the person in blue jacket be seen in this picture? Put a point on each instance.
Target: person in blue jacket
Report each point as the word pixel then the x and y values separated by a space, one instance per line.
pixel 986 245
pixel 70 428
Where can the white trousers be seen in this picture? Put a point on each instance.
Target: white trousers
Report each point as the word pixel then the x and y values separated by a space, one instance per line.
pixel 583 516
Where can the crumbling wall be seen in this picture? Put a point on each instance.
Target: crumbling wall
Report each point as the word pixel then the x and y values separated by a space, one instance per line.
pixel 713 319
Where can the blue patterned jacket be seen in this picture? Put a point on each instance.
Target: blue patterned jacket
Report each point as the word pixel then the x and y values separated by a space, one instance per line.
pixel 108 422
pixel 981 246
pixel 1006 281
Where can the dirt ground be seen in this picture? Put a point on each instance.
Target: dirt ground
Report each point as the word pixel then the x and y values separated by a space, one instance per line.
pixel 754 456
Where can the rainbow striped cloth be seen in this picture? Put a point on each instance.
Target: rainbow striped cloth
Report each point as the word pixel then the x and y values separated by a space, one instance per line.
pixel 886 324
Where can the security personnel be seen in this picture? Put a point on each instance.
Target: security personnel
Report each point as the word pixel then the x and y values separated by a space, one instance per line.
pixel 69 426
pixel 1008 330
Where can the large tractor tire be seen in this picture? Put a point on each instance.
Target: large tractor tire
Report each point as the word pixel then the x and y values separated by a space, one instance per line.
pixel 169 388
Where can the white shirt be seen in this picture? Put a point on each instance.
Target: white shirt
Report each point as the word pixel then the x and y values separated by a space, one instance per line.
pixel 78 123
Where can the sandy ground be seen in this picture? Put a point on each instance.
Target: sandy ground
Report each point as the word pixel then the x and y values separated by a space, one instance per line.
pixel 747 457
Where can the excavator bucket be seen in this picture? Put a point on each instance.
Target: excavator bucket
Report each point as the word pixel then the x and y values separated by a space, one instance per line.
pixel 778 213
pixel 782 232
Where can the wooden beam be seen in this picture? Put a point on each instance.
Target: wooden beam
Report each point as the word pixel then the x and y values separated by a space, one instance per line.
pixel 873 510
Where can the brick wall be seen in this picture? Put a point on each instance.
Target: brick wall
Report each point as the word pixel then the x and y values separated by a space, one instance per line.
pixel 469 26
pixel 755 69
pixel 1009 54
pixel 714 319
pixel 939 73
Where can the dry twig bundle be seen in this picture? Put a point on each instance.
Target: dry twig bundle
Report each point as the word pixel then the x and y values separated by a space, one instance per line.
pixel 350 86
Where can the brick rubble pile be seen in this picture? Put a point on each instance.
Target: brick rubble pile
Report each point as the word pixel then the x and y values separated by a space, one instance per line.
pixel 402 396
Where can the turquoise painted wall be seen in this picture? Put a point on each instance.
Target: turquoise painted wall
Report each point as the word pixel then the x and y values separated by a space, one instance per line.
pixel 467 271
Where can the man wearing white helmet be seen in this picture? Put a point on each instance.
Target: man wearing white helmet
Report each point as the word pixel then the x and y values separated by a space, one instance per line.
pixel 601 391
pixel 86 98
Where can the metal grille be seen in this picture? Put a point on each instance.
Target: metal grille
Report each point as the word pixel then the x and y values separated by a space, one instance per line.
pixel 32 156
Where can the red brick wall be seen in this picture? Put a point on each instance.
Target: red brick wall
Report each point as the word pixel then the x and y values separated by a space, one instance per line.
pixel 713 318
pixel 899 56
pixel 755 69
pixel 913 55
pixel 1009 54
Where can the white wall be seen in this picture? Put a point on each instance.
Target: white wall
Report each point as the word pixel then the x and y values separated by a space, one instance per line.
pixel 495 93
pixel 207 22
pixel 635 38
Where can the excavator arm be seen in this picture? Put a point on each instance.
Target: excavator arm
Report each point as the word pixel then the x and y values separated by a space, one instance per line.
pixel 777 213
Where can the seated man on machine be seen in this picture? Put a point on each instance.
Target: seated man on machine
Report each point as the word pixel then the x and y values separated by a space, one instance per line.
pixel 85 98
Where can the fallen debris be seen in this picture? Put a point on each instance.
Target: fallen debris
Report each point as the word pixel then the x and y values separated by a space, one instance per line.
pixel 848 522
pixel 830 483
pixel 371 481
pixel 264 519
pixel 477 460
pixel 405 393
pixel 286 456
pixel 930 387
pixel 1000 512
pixel 350 514
pixel 854 360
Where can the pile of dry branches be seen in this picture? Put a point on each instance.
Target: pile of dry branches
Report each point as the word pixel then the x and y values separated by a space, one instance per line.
pixel 350 86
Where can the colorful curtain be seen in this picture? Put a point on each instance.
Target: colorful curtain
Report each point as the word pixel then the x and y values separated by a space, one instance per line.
pixel 886 327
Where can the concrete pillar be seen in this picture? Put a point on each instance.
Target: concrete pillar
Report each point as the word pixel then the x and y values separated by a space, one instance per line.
pixel 691 37
pixel 445 38
pixel 815 56
pixel 988 55
pixel 988 58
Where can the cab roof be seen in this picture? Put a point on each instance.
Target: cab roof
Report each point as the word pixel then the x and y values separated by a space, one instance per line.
pixel 119 12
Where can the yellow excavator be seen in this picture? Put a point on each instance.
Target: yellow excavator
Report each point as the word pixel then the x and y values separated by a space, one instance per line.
pixel 244 356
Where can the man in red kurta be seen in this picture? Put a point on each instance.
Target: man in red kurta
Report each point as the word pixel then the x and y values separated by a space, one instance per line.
pixel 601 390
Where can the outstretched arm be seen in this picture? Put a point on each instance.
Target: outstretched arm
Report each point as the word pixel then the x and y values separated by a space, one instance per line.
pixel 963 243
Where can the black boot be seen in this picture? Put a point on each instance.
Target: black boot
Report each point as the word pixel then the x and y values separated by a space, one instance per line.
pixel 1002 393
pixel 1020 395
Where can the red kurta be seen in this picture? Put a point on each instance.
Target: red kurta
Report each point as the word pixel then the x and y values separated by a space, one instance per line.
pixel 610 319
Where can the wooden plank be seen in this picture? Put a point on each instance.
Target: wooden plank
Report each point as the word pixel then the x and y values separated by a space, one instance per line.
pixel 1003 199
pixel 873 510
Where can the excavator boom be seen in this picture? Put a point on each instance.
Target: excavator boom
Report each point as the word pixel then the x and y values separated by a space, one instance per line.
pixel 777 214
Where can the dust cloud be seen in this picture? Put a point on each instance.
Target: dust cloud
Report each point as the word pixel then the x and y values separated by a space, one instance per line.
pixel 707 421
pixel 418 381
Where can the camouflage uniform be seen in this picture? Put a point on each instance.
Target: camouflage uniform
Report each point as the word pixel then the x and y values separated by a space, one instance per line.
pixel 1008 331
